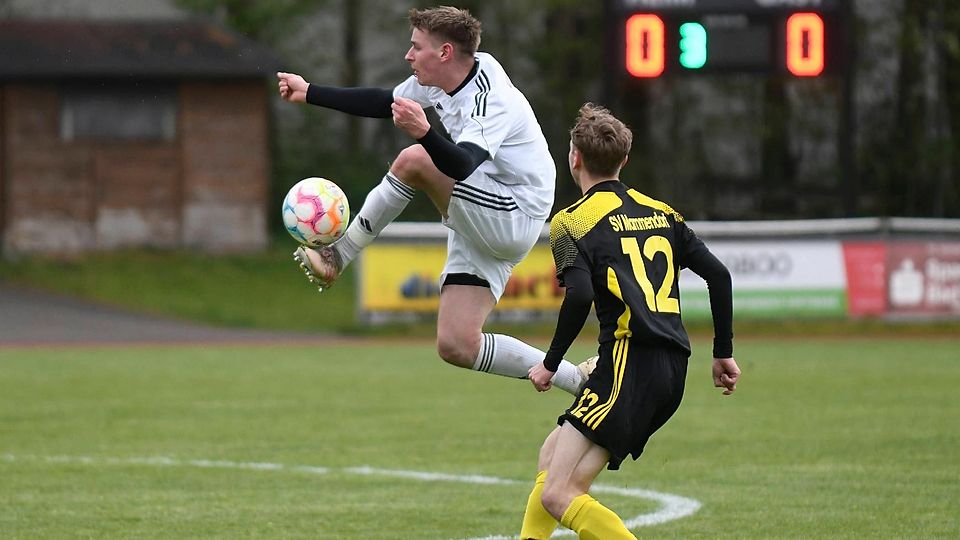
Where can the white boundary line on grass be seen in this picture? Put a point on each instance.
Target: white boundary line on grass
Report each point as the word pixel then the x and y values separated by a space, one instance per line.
pixel 672 506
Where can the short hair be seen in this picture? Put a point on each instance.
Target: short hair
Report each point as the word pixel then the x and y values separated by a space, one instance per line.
pixel 451 24
pixel 602 140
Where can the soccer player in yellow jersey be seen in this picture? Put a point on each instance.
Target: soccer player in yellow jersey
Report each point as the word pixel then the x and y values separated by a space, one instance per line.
pixel 621 251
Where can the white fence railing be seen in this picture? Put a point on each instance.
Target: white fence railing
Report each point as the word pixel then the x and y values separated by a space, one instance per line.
pixel 880 226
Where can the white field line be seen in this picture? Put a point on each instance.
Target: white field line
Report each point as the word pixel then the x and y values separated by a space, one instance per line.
pixel 672 507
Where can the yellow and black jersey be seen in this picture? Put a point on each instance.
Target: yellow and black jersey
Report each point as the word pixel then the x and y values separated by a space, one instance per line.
pixel 632 247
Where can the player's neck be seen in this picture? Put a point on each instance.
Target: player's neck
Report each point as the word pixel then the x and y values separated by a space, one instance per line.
pixel 458 75
pixel 587 181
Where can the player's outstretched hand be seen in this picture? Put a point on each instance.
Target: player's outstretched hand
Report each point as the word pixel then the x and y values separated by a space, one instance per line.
pixel 292 87
pixel 540 377
pixel 726 373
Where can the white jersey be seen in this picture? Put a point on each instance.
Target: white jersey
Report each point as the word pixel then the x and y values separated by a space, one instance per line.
pixel 488 111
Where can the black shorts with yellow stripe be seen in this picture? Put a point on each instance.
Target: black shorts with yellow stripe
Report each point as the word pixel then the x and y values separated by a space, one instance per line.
pixel 634 390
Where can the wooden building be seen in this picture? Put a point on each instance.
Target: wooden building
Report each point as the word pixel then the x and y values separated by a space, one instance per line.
pixel 121 134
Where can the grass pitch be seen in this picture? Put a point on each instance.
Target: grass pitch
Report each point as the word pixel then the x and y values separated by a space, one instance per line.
pixel 824 439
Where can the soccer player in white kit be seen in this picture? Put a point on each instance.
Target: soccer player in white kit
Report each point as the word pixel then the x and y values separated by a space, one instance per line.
pixel 493 184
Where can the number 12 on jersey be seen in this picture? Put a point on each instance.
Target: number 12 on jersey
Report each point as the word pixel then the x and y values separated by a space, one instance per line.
pixel 659 301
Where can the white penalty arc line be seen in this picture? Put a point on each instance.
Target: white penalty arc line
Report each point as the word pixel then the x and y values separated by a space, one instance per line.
pixel 672 507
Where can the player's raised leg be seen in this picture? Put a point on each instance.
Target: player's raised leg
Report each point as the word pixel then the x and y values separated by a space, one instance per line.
pixel 413 170
pixel 462 342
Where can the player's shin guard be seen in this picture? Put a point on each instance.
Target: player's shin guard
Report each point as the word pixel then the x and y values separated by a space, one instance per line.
pixel 594 521
pixel 538 524
pixel 383 204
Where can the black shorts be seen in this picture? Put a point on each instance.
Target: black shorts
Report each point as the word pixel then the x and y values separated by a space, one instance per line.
pixel 633 391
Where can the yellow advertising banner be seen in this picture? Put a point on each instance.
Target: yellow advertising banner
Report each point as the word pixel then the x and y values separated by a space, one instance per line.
pixel 403 277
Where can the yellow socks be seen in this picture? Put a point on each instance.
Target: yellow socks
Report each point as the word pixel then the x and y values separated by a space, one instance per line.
pixel 585 516
pixel 593 521
pixel 538 524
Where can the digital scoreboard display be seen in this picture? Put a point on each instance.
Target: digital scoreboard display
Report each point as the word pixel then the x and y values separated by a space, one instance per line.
pixel 658 38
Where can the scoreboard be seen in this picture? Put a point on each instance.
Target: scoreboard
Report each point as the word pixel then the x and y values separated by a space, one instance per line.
pixel 657 38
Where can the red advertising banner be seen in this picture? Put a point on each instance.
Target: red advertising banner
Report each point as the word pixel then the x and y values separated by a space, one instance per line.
pixel 866 278
pixel 924 278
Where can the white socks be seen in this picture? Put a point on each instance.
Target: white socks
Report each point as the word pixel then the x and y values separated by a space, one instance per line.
pixel 510 357
pixel 383 204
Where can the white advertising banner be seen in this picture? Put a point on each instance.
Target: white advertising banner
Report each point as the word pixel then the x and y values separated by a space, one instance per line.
pixel 757 265
pixel 775 278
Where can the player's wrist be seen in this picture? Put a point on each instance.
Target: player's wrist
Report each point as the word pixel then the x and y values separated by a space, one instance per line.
pixel 551 363
pixel 422 133
pixel 312 95
pixel 722 347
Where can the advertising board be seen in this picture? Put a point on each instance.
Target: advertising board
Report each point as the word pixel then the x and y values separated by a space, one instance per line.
pixel 771 279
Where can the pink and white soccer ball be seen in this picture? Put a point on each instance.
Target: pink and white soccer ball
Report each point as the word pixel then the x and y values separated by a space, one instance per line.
pixel 315 212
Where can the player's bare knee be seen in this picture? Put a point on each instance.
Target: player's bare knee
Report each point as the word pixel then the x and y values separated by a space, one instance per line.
pixel 555 499
pixel 411 164
pixel 454 351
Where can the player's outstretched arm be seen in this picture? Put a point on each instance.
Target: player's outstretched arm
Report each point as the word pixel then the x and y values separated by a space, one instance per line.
pixel 293 87
pixel 360 101
pixel 726 373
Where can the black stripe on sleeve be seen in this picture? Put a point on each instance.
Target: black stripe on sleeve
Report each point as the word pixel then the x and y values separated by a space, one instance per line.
pixel 489 87
pixel 480 99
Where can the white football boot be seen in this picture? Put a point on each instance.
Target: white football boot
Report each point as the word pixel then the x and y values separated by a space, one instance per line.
pixel 586 368
pixel 322 266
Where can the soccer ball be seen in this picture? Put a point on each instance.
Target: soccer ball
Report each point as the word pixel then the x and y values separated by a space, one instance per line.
pixel 315 212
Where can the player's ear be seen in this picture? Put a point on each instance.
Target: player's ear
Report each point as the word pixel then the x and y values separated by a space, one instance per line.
pixel 446 50
pixel 574 158
pixel 624 162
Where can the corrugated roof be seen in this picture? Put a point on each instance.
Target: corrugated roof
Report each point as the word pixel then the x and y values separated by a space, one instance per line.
pixel 160 48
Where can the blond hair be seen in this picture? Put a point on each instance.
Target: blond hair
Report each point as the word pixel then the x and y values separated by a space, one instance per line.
pixel 602 140
pixel 450 24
